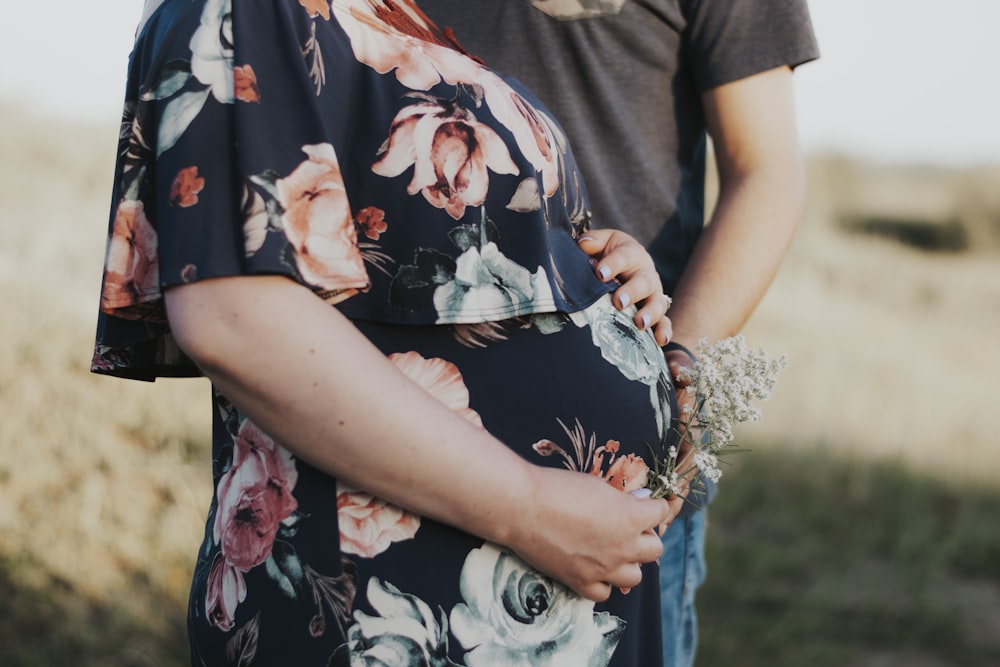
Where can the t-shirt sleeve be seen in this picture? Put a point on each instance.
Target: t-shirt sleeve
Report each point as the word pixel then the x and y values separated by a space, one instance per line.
pixel 225 168
pixel 739 38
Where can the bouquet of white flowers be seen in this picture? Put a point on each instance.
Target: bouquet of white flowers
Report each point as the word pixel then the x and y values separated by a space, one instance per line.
pixel 723 380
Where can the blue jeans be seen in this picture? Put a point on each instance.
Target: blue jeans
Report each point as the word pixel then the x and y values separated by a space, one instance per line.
pixel 682 570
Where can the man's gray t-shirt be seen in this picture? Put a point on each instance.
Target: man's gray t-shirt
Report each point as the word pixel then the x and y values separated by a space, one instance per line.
pixel 624 79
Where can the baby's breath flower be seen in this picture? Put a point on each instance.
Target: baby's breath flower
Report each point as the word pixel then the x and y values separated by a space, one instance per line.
pixel 708 464
pixel 671 483
pixel 724 382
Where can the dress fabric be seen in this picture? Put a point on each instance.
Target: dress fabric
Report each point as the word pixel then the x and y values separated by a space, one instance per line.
pixel 355 149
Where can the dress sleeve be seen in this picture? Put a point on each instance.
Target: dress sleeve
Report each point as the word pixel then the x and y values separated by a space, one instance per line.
pixel 226 167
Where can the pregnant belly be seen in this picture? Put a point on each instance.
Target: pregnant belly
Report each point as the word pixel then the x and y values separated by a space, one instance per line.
pixel 560 390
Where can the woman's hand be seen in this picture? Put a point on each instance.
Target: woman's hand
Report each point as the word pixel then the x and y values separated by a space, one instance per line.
pixel 588 534
pixel 616 255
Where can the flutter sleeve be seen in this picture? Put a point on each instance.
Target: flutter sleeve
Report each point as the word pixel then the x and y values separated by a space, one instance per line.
pixel 225 167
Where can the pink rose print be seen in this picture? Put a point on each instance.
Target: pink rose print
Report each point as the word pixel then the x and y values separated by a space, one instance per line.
pixel 254 497
pixel 186 186
pixel 536 135
pixel 245 84
pixel 372 222
pixel 626 473
pixel 132 270
pixel 317 221
pixel 406 41
pixel 226 589
pixel 368 525
pixel 597 462
pixel 99 363
pixel 441 379
pixel 450 152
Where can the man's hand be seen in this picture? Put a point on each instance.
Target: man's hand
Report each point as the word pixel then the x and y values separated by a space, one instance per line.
pixel 681 361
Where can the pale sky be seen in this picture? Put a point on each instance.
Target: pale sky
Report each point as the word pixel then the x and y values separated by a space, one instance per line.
pixel 898 81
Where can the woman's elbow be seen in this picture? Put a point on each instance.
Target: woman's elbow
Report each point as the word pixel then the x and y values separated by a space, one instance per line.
pixel 194 317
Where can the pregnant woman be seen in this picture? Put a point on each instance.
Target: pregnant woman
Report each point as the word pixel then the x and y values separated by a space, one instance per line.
pixel 430 404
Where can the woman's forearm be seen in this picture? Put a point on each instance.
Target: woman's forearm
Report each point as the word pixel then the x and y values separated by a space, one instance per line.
pixel 307 377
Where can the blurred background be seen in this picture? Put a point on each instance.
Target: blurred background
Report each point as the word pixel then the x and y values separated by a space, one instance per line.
pixel 863 528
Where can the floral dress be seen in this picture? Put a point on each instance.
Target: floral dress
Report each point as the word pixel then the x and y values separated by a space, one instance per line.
pixel 356 149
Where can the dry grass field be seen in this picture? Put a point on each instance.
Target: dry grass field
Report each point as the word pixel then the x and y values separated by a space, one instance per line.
pixel 888 308
pixel 894 347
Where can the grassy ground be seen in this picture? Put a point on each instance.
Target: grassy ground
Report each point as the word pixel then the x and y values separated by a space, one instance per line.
pixel 818 561
pixel 861 532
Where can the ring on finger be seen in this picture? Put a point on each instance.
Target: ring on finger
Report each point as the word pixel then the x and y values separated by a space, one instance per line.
pixel 669 300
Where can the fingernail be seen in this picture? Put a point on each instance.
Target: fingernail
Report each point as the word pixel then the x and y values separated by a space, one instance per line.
pixel 584 238
pixel 605 272
pixel 624 299
pixel 645 321
pixel 641 493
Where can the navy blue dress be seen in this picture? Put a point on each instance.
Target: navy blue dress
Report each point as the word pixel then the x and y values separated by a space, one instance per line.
pixel 357 150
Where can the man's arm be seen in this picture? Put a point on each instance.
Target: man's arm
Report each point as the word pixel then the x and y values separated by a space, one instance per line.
pixel 761 193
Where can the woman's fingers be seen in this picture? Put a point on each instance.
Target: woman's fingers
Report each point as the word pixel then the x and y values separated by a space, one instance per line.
pixel 653 314
pixel 625 577
pixel 629 577
pixel 648 549
pixel 676 503
pixel 641 286
pixel 663 331
pixel 651 548
pixel 617 256
pixel 571 539
pixel 598 591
